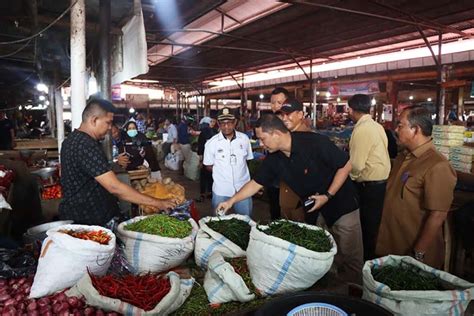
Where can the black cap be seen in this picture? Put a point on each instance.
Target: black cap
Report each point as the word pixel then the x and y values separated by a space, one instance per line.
pixel 291 105
pixel 225 114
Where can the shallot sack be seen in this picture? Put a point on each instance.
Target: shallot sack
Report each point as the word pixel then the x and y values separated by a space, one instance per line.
pixel 179 292
pixel 65 259
pixel 448 302
pixel 209 241
pixel 153 253
pixel 223 284
pixel 278 266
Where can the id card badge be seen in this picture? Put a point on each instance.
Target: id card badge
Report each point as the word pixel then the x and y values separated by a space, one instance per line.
pixel 233 160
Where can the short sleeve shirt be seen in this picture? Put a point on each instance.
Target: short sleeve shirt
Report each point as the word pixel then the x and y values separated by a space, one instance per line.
pixel 172 133
pixel 420 182
pixel 310 169
pixel 85 201
pixel 229 160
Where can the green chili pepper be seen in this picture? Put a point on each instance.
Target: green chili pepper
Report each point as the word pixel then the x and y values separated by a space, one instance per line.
pixel 315 240
pixel 404 277
pixel 162 225
pixel 234 229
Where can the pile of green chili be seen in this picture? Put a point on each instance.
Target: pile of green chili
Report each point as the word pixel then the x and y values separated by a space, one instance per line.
pixel 315 240
pixel 404 277
pixel 162 225
pixel 234 229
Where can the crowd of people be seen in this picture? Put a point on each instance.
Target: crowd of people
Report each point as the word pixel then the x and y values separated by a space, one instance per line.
pixel 371 205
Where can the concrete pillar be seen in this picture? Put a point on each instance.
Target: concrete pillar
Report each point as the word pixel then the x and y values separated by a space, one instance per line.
pixel 78 61
pixel 460 103
pixel 392 97
pixel 58 103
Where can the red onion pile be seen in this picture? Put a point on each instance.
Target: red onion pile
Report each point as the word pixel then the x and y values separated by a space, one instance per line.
pixel 14 301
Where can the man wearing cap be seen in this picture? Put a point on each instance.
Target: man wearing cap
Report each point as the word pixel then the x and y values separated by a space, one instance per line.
pixel 88 183
pixel 370 168
pixel 292 115
pixel 226 154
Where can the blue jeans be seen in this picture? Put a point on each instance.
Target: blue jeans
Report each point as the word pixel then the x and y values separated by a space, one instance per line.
pixel 243 207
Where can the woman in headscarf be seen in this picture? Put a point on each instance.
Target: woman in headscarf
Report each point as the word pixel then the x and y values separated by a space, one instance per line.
pixel 139 149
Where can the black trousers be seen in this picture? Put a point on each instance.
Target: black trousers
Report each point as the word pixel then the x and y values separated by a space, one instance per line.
pixel 205 181
pixel 371 196
pixel 273 194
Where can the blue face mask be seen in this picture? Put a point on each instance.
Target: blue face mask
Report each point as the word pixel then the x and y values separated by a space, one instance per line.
pixel 132 133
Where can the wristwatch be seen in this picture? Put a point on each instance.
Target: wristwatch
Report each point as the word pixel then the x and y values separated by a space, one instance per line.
pixel 329 195
pixel 419 255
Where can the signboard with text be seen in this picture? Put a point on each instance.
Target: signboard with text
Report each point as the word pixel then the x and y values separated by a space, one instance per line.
pixel 349 89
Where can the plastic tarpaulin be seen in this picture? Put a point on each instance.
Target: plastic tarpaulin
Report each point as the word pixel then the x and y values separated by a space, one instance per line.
pixel 134 50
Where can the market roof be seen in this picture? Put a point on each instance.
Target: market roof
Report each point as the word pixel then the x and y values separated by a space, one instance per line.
pixel 256 34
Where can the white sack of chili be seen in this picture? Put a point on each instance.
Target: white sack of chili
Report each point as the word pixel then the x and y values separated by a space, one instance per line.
pixel 179 292
pixel 209 241
pixel 153 253
pixel 278 266
pixel 65 259
pixel 223 284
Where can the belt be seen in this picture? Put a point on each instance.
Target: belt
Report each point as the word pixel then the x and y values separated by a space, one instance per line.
pixel 370 183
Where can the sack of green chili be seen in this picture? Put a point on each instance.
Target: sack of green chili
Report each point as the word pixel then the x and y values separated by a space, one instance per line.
pixel 64 259
pixel 223 284
pixel 228 228
pixel 178 293
pixel 437 292
pixel 157 243
pixel 278 266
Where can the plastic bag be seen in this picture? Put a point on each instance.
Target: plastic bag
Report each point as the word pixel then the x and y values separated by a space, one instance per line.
pixel 16 263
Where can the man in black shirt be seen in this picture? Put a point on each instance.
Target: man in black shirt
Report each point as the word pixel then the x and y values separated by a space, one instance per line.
pixel 6 133
pixel 88 183
pixel 314 168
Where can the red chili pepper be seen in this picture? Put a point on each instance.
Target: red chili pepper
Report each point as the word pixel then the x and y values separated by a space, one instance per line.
pixel 143 291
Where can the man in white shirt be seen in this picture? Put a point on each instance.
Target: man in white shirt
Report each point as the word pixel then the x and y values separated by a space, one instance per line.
pixel 172 136
pixel 226 155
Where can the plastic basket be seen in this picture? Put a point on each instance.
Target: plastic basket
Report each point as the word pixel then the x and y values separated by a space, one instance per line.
pixel 316 309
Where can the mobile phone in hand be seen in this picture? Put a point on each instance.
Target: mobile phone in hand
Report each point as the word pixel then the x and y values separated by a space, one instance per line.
pixel 308 204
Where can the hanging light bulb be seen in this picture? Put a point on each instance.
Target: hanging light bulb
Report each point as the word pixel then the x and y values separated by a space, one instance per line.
pixel 131 111
pixel 429 99
pixel 328 94
pixel 41 87
pixel 373 102
pixel 92 84
pixel 410 97
pixel 338 99
pixel 261 96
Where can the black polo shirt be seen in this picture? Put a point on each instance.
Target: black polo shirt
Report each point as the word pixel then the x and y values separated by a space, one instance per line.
pixel 310 169
pixel 84 200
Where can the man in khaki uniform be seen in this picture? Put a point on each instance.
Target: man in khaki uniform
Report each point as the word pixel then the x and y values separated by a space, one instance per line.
pixel 292 116
pixel 370 168
pixel 419 194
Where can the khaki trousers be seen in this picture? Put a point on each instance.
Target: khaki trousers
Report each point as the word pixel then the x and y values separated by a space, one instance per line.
pixel 348 235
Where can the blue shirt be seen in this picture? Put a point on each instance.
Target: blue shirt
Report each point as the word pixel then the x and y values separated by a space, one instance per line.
pixel 183 135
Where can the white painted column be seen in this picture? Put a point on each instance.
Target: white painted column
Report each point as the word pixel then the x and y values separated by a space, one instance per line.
pixel 78 61
pixel 58 102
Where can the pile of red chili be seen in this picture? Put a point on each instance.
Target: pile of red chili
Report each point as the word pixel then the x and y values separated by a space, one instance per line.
pixel 143 291
pixel 99 236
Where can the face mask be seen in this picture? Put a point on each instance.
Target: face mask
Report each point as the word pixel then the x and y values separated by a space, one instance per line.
pixel 132 133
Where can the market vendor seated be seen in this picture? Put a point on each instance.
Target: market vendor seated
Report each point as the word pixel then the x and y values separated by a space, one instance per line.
pixel 138 149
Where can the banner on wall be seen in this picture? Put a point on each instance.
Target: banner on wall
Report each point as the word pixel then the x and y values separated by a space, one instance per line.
pixel 137 101
pixel 349 89
pixel 116 93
